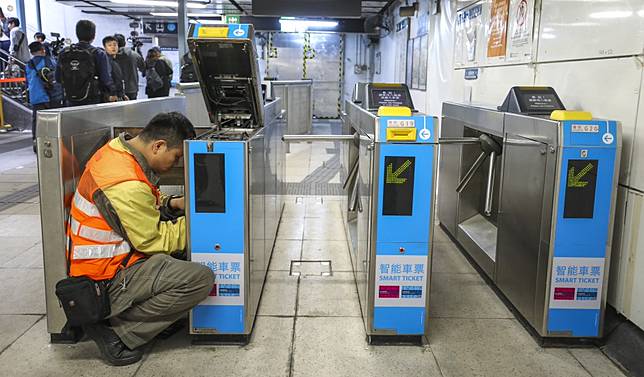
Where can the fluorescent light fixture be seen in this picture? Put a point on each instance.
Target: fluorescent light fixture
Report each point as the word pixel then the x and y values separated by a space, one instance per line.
pixel 611 14
pixel 160 3
pixel 207 22
pixel 196 15
pixel 289 24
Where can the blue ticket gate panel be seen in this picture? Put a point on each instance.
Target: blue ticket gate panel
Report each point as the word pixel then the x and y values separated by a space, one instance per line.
pixel 544 234
pixel 234 178
pixel 388 217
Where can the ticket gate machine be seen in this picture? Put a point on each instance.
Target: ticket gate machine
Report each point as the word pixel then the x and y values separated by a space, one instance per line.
pixel 538 219
pixel 234 180
pixel 391 164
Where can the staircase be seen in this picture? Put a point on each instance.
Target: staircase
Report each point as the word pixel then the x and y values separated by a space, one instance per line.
pixel 15 96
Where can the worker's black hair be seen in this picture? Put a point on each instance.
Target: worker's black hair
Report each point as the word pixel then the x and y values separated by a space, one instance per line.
pixel 40 35
pixel 14 21
pixel 120 39
pixel 108 39
pixel 85 30
pixel 35 47
pixel 172 127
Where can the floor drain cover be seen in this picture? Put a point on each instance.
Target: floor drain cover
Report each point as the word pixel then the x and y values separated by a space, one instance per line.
pixel 311 268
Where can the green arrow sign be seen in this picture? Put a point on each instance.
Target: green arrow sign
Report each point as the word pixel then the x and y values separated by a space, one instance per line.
pixel 394 176
pixel 574 180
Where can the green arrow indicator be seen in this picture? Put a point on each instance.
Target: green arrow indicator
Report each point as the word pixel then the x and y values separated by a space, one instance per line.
pixel 394 176
pixel 575 180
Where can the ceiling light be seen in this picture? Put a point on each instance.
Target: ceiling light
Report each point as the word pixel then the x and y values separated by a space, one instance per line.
pixel 174 14
pixel 207 22
pixel 612 14
pixel 160 3
pixel 288 24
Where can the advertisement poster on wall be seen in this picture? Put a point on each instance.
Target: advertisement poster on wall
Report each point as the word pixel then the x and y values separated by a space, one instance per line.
pixel 470 29
pixel 497 40
pixel 521 29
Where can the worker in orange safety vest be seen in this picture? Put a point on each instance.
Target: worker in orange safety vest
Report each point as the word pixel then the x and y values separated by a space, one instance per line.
pixel 117 236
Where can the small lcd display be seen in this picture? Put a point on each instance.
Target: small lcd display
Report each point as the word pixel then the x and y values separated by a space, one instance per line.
pixel 581 181
pixel 398 193
pixel 389 97
pixel 540 101
pixel 210 182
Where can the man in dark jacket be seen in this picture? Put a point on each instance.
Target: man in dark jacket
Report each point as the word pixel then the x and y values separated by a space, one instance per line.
pixel 111 48
pixel 131 63
pixel 102 84
pixel 44 93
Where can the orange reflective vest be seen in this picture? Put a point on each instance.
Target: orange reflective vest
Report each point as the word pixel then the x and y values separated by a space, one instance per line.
pixel 96 250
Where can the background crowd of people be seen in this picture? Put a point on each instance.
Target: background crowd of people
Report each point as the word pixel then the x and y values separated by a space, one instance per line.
pixel 82 74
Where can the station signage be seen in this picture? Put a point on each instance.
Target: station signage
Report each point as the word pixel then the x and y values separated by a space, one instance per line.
pixel 160 28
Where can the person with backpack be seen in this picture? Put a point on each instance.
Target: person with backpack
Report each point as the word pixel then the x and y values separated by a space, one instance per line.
pixel 158 74
pixel 42 38
pixel 111 48
pixel 84 70
pixel 18 49
pixel 5 43
pixel 44 92
pixel 188 73
pixel 131 63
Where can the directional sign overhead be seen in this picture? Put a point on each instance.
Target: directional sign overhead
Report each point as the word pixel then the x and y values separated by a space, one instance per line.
pixel 160 28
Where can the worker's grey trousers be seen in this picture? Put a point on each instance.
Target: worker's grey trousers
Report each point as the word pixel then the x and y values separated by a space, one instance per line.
pixel 158 291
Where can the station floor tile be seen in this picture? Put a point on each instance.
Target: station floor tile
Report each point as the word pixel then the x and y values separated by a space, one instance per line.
pixel 279 295
pixel 333 296
pixel 335 251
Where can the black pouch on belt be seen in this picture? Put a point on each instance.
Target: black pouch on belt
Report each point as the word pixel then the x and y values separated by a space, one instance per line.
pixel 84 300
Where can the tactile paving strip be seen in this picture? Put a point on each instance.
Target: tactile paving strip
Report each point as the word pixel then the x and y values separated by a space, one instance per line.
pixel 21 196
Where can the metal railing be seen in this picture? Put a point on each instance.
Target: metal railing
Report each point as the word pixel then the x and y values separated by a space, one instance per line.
pixel 12 78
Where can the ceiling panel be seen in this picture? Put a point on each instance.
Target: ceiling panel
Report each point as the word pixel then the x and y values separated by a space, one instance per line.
pixel 219 6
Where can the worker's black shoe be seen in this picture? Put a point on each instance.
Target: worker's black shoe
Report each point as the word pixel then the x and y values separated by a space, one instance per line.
pixel 111 346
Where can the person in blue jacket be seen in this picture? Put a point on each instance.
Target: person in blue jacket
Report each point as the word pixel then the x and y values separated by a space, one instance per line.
pixel 44 91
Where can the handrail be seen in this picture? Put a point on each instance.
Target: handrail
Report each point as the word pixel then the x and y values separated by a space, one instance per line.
pixel 14 85
pixel 9 57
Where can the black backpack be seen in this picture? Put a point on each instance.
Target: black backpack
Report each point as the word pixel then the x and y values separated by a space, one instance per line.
pixel 79 73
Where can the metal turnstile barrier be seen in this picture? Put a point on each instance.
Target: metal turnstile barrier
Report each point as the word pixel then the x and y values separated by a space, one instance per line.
pixel 537 220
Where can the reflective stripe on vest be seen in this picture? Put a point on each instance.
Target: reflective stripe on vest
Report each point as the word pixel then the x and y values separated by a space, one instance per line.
pixel 100 251
pixel 94 234
pixel 85 206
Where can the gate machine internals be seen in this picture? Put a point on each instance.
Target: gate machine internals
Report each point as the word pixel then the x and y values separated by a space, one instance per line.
pixel 234 179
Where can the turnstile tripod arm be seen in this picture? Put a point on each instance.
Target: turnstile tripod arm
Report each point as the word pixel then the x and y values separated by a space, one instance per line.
pixel 459 140
pixel 307 138
pixel 470 173
pixel 489 191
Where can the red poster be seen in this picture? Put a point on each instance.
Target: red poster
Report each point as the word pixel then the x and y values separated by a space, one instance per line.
pixel 496 44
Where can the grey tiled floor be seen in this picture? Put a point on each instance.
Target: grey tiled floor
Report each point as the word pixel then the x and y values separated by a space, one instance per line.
pixel 307 326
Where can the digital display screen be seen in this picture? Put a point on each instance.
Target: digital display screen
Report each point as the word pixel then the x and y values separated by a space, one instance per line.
pixel 210 182
pixel 398 193
pixel 389 97
pixel 540 102
pixel 307 8
pixel 581 181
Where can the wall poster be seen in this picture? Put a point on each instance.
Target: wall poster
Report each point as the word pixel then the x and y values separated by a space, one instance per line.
pixel 520 33
pixel 497 40
pixel 419 47
pixel 470 30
